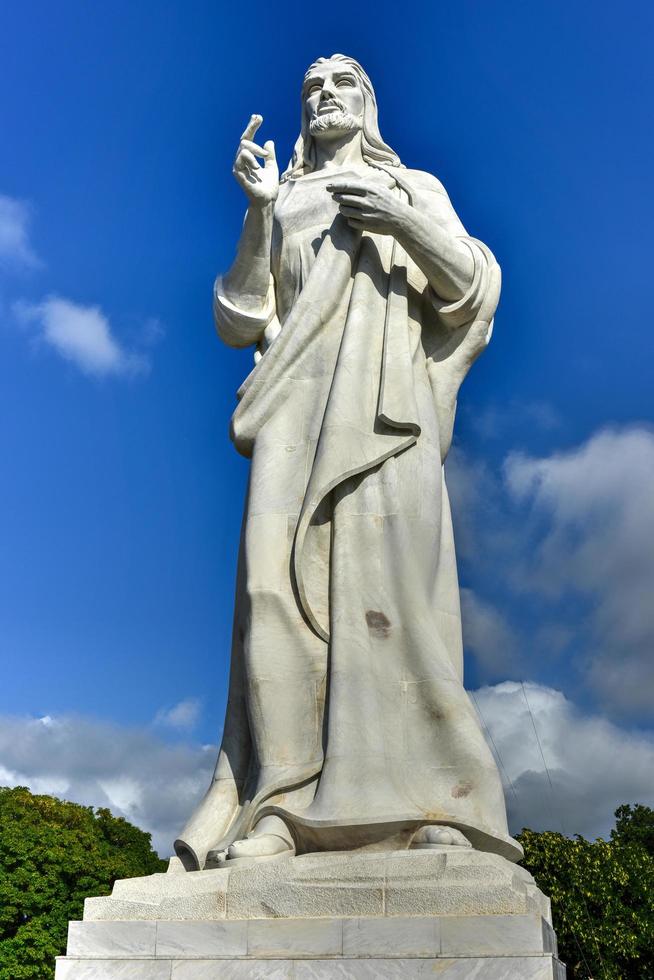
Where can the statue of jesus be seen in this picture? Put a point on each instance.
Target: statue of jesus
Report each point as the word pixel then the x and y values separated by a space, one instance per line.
pixel 347 724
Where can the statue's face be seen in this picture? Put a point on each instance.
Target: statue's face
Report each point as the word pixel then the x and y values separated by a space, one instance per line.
pixel 333 100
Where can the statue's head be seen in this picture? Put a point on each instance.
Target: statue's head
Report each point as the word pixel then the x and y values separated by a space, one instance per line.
pixel 338 98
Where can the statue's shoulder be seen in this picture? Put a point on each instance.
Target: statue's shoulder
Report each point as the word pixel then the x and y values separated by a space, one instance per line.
pixel 421 181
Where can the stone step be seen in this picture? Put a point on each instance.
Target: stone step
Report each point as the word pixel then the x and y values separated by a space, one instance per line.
pixel 445 881
pixel 401 947
pixel 398 936
pixel 456 935
pixel 543 967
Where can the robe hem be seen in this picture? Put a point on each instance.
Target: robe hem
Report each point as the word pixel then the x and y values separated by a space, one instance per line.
pixel 313 829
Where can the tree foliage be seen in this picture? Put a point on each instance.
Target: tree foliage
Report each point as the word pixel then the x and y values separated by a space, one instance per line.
pixel 634 825
pixel 602 896
pixel 53 855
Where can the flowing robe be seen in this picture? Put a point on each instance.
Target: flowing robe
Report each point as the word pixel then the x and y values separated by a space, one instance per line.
pixel 347 714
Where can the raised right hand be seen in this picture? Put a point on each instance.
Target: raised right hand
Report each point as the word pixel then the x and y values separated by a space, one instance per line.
pixel 261 184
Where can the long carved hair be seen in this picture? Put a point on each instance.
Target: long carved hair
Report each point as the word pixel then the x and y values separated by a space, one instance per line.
pixel 375 151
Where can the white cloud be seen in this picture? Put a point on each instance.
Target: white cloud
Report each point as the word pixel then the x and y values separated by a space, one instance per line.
pixel 487 634
pixel 137 775
pixel 16 252
pixel 590 518
pixel 81 335
pixel 183 715
pixel 562 545
pixel 593 764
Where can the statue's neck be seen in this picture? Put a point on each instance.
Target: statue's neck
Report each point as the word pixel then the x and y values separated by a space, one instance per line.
pixel 340 152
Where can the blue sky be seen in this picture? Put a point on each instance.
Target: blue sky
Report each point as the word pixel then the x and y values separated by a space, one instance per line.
pixel 121 496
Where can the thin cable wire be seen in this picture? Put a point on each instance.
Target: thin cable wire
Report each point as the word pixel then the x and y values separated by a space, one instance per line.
pixel 515 794
pixel 495 748
pixel 549 779
pixel 553 816
pixel 579 946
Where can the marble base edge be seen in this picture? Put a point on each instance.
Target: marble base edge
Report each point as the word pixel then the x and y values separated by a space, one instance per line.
pixel 457 881
pixel 543 967
pixel 349 938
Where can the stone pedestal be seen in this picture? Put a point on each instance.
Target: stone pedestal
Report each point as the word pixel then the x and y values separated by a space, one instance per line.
pixel 451 912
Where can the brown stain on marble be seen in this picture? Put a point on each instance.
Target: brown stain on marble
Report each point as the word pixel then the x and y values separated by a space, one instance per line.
pixel 378 623
pixel 461 789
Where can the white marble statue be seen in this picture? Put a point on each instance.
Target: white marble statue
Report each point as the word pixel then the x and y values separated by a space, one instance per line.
pixel 347 724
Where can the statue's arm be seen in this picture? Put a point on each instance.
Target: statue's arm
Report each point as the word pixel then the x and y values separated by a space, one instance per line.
pixel 427 227
pixel 244 297
pixel 247 281
pixel 478 294
pixel 444 258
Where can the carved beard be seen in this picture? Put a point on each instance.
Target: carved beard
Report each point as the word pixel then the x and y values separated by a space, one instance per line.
pixel 338 121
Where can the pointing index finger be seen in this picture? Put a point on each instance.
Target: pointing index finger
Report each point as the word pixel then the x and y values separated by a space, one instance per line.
pixel 252 127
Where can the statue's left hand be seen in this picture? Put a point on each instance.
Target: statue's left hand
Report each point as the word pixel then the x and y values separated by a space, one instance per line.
pixel 370 206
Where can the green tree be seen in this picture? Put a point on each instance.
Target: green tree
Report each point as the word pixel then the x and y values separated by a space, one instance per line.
pixel 602 896
pixel 634 825
pixel 53 855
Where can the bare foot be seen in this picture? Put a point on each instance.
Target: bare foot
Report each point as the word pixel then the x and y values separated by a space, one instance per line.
pixel 270 838
pixel 434 835
pixel 267 845
pixel 216 859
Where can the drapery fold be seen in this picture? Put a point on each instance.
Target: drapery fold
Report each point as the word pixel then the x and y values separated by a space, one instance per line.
pixel 347 591
pixel 371 412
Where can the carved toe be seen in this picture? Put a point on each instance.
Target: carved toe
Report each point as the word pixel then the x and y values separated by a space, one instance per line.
pixel 434 835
